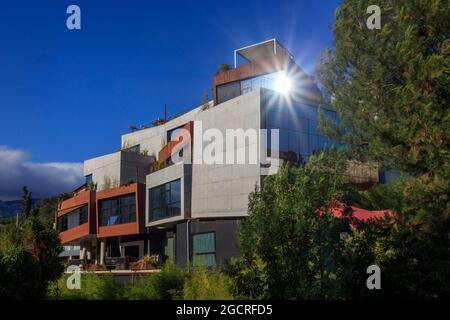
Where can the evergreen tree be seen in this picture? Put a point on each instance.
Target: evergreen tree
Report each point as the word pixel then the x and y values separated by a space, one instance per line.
pixel 390 86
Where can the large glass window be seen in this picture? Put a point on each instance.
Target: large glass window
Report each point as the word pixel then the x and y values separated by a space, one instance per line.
pixel 228 91
pixel 118 210
pixel 73 219
pixel 204 249
pixel 165 201
pixel 299 132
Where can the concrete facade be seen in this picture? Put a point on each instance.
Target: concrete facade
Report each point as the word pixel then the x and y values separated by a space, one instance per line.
pixel 120 167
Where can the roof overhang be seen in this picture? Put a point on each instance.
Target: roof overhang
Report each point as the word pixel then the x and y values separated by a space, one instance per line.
pixel 259 51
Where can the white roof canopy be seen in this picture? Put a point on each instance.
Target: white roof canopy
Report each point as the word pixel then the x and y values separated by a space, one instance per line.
pixel 258 51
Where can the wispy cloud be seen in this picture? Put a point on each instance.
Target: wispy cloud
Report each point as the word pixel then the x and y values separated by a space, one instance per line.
pixel 43 179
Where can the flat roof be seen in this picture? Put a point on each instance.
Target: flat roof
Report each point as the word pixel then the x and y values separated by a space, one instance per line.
pixel 258 51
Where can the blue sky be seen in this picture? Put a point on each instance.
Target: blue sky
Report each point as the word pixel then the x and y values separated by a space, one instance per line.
pixel 66 96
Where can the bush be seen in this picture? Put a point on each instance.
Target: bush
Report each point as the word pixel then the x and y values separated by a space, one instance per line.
pixel 204 284
pixel 143 288
pixel 93 287
pixel 168 283
pixel 20 275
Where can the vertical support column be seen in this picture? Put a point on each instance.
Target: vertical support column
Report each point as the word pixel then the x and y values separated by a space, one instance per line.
pixel 102 251
pixel 83 253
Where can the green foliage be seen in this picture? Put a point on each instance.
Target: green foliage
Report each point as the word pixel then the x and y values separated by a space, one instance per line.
pixel 142 288
pixel 20 275
pixel 390 86
pixel 169 281
pixel 204 284
pixel 168 284
pixel 29 254
pixel 43 242
pixel 412 254
pixel 93 287
pixel 223 67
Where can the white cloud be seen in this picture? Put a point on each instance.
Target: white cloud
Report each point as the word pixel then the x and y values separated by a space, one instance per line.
pixel 43 179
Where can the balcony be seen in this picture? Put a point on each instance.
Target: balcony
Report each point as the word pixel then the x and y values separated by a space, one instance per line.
pixel 120 211
pixel 75 217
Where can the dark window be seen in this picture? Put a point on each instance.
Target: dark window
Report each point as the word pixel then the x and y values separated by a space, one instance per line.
pixel 62 223
pixel 299 133
pixel 132 251
pixel 73 219
pixel 88 178
pixel 165 201
pixel 228 91
pixel 204 249
pixel 133 149
pixel 118 210
pixel 173 133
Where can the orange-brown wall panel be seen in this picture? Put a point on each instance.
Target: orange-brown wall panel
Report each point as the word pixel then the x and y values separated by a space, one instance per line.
pixel 77 201
pixel 275 63
pixel 128 228
pixel 74 233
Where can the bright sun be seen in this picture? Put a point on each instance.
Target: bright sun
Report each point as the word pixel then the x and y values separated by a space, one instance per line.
pixel 283 83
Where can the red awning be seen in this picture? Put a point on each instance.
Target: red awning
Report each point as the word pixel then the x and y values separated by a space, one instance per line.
pixel 362 214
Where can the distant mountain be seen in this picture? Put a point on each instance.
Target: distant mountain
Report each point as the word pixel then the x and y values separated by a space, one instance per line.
pixel 10 208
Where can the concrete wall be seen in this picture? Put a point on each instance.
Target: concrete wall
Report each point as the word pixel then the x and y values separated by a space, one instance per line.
pixel 104 166
pixel 221 190
pixel 118 167
pixel 153 139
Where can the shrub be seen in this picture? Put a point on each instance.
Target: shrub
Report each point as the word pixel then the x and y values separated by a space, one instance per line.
pixel 168 283
pixel 93 287
pixel 204 284
pixel 143 288
pixel 20 275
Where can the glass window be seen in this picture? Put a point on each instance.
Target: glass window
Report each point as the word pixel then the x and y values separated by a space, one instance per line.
pixel 284 140
pixel 172 135
pixel 313 143
pixel 62 223
pixel 165 200
pixel 88 178
pixel 133 149
pixel 228 91
pixel 294 141
pixel 118 210
pixel 73 218
pixel 204 249
pixel 304 143
pixel 169 249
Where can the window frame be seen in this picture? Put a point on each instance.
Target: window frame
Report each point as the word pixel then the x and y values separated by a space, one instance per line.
pixel 192 254
pixel 164 204
pixel 116 204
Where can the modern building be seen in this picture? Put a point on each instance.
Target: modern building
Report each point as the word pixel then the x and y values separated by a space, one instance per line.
pixel 140 201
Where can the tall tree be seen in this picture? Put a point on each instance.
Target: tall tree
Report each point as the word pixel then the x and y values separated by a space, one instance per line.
pixel 390 86
pixel 288 249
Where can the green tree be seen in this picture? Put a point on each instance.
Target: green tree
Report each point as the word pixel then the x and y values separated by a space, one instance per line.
pixel 390 85
pixel 290 242
pixel 29 255
pixel 390 88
